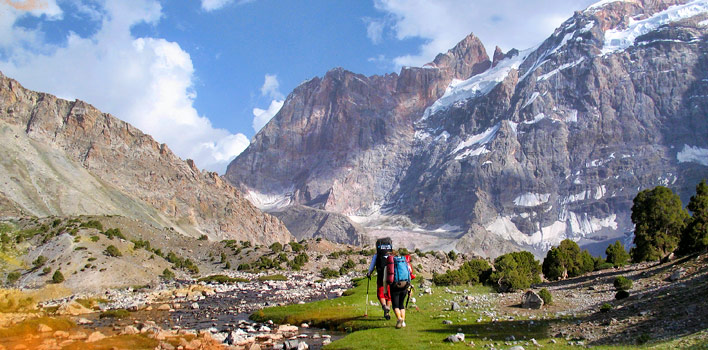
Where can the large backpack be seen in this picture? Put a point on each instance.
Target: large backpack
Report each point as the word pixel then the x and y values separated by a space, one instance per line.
pixel 384 247
pixel 401 273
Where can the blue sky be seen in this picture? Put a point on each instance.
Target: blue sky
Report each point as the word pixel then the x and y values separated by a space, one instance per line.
pixel 204 76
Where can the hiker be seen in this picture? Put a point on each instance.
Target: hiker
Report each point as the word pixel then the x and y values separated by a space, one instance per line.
pixel 399 276
pixel 384 247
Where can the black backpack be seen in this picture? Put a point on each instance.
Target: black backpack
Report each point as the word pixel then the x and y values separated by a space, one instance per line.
pixel 384 246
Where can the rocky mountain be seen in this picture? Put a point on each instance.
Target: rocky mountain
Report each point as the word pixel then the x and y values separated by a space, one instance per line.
pixel 67 158
pixel 543 144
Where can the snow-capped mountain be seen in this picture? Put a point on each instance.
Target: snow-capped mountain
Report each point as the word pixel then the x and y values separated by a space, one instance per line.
pixel 540 145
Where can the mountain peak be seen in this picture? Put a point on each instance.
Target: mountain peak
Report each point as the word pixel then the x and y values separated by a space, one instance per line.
pixel 467 58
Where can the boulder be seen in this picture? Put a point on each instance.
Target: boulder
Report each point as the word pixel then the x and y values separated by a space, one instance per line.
pixel 531 300
pixel 455 338
pixel 95 336
pixel 455 306
pixel 676 275
pixel 43 328
pixel 73 309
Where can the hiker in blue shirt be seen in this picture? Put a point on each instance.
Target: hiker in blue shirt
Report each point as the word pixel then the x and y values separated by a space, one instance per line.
pixel 399 276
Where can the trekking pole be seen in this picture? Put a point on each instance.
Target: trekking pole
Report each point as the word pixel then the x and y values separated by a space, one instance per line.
pixel 366 308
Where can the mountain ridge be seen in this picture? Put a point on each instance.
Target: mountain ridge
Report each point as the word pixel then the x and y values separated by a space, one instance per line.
pixel 73 145
pixel 547 143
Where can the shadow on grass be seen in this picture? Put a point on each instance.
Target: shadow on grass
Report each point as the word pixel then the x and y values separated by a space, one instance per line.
pixel 501 330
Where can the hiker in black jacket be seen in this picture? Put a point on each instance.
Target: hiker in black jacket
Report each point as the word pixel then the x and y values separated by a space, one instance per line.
pixel 384 247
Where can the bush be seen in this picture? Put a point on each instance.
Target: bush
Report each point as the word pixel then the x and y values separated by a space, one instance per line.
pixel 12 277
pixel 567 260
pixel 298 261
pixel 114 232
pixel 203 238
pixel 39 262
pixel 141 244
pixel 276 247
pixel 58 277
pixel 118 313
pixel 273 278
pixel 659 220
pixel 94 238
pixel 329 273
pixel 221 279
pixel 46 271
pixel 265 263
pixel 616 254
pixel 474 271
pixel 112 251
pixel 168 274
pixel 604 266
pixel 606 307
pixel 243 267
pixel 92 224
pixel 515 271
pixel 622 294
pixel 546 296
pixel 452 255
pixel 297 247
pixel 622 283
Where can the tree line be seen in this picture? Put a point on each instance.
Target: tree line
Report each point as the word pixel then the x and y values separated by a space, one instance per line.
pixel 662 227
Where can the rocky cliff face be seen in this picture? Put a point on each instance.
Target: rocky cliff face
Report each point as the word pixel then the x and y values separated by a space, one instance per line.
pixel 549 143
pixel 340 142
pixel 68 158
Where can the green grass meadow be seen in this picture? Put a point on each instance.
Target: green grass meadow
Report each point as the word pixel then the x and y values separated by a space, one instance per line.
pixel 425 328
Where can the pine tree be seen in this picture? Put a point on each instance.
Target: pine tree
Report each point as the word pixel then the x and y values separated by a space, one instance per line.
pixel 659 220
pixel 695 235
pixel 616 254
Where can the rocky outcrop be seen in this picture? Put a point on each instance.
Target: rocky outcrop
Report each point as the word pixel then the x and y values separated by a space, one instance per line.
pixel 305 223
pixel 550 143
pixel 68 158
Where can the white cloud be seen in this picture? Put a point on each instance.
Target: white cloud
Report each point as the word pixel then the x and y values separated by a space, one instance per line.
pixel 374 29
pixel 148 82
pixel 211 5
pixel 443 23
pixel 271 87
pixel 261 117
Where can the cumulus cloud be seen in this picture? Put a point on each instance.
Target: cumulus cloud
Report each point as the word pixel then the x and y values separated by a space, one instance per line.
pixel 506 23
pixel 148 82
pixel 374 29
pixel 270 89
pixel 261 117
pixel 211 5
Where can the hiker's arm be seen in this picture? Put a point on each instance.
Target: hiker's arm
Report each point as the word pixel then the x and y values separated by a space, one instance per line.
pixel 410 268
pixel 372 265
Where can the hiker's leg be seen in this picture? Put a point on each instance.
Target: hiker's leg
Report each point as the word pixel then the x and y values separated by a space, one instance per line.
pixel 397 311
pixel 403 314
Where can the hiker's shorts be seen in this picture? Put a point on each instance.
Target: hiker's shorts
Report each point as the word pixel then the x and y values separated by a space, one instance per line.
pixel 382 288
pixel 398 296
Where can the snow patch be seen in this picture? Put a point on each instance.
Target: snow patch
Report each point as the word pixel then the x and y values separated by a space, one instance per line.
pixel 513 126
pixel 531 199
pixel 588 27
pixel 533 97
pixel 584 224
pixel 478 139
pixel 621 39
pixel 536 119
pixel 270 201
pixel 562 67
pixel 572 116
pixel 472 153
pixel 703 23
pixel 693 154
pixel 478 85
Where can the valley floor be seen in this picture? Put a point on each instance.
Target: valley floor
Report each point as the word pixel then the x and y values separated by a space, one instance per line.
pixel 666 310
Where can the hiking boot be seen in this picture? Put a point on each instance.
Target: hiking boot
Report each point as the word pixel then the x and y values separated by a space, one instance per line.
pixel 399 324
pixel 387 314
